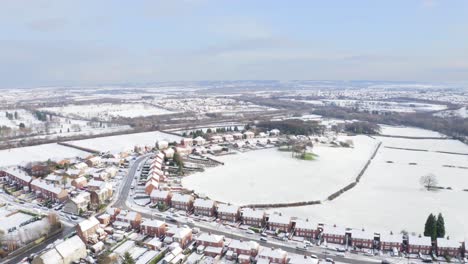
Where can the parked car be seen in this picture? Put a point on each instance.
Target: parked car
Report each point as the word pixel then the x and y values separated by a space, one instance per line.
pixel 249 231
pixel 263 239
pixel 329 260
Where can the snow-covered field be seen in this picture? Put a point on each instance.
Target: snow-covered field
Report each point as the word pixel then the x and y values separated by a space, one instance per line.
pixel 272 176
pixel 107 111
pixel 43 152
pixel 125 142
pixel 390 197
pixel 408 131
pixel 461 112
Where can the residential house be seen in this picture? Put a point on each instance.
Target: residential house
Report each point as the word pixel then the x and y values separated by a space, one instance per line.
pixel 93 161
pixel 419 244
pixel 216 139
pixel 102 195
pixel 204 207
pixel 104 219
pixel 273 255
pixel 150 186
pixel 249 134
pixel 389 242
pixel 183 150
pixel 199 141
pixel 187 142
pixel 85 229
pixel 249 248
pixel 18 177
pixel 182 201
pixel 237 136
pixel 447 247
pixel 228 138
pixel 278 222
pixel 227 212
pixel 361 238
pixel 305 228
pixel 169 153
pixel 162 144
pixel 49 191
pixel 78 204
pixel 213 251
pixel 334 234
pixel 130 217
pixel 161 197
pixel 79 182
pixel 210 240
pixel 253 217
pixel 65 252
pixel 153 228
pixel 53 179
pixel 181 235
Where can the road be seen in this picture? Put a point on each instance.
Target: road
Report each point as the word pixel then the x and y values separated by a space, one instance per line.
pixel 121 202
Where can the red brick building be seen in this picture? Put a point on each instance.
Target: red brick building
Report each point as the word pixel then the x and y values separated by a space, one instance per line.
pixel 161 197
pixel 362 238
pixel 204 207
pixel 182 202
pixel 253 217
pixel 305 228
pixel 249 248
pixel 390 241
pixel 210 240
pixel 49 191
pixel 278 222
pixel 446 247
pixel 228 212
pixel 273 255
pixel 421 244
pixel 153 228
pixel 333 234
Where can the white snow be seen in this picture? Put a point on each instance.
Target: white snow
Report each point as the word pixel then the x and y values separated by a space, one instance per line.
pixel 125 142
pixel 272 176
pixel 408 132
pixel 43 152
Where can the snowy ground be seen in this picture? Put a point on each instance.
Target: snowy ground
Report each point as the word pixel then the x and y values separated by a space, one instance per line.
pixel 108 111
pixel 43 152
pixel 259 176
pixel 390 197
pixel 125 142
pixel 408 132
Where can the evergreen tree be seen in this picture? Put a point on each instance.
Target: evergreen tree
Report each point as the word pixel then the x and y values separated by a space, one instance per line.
pixel 430 229
pixel 440 223
pixel 128 259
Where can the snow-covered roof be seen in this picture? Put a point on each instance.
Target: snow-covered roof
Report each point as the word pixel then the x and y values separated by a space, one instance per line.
pixel 216 250
pixel 273 253
pixel 182 198
pixel 390 238
pixel 204 203
pixel 70 247
pixel 243 245
pixel 153 223
pixel 159 194
pixel 447 243
pixel 334 230
pixel 152 182
pixel 88 223
pixel 20 174
pixel 128 215
pixel 53 177
pixel 179 232
pixel 210 238
pixel 96 183
pixel 44 185
pixel 300 259
pixel 304 224
pixel 228 209
pixel 279 219
pixel 362 234
pixel 420 241
pixel 252 213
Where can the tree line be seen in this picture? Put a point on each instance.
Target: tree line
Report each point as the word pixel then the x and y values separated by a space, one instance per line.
pixel 435 226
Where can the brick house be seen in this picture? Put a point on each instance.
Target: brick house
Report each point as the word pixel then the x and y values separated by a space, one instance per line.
pixel 181 235
pixel 228 212
pixel 228 138
pixel 249 248
pixel 77 204
pixel 87 228
pixel 199 141
pixel 204 207
pixel 361 238
pixel 419 244
pixel 161 197
pixel 49 191
pixel 153 228
pixel 104 219
pixel 390 241
pixel 334 234
pixel 446 247
pixel 39 170
pixel 305 228
pixel 187 142
pixel 130 217
pixel 237 135
pixel 278 222
pixel 273 255
pixel 253 217
pixel 79 182
pixel 210 240
pixel 150 186
pixel 100 196
pixel 18 177
pixel 182 201
pixel 113 212
pixel 249 134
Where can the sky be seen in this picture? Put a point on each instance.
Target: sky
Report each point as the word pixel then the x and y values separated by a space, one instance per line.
pixel 50 43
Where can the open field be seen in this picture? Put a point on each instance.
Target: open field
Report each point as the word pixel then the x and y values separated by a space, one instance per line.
pixel 108 111
pixel 408 132
pixel 390 197
pixel 272 176
pixel 18 156
pixel 124 142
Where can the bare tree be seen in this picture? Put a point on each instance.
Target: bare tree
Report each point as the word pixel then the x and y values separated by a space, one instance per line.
pixel 429 181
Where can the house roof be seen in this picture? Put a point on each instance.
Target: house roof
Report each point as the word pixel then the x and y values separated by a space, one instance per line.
pixel 153 223
pixel 182 198
pixel 159 194
pixel 279 219
pixel 304 224
pixel 88 223
pixel 243 245
pixel 334 230
pixel 252 213
pixel 44 185
pixel 70 247
pixel 179 232
pixel 447 243
pixel 362 234
pixel 210 238
pixel 204 203
pixel 273 253
pixel 18 174
pixel 420 241
pixel 228 209
pixel 391 238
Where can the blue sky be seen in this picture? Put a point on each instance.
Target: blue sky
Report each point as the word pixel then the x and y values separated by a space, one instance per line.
pixel 101 42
